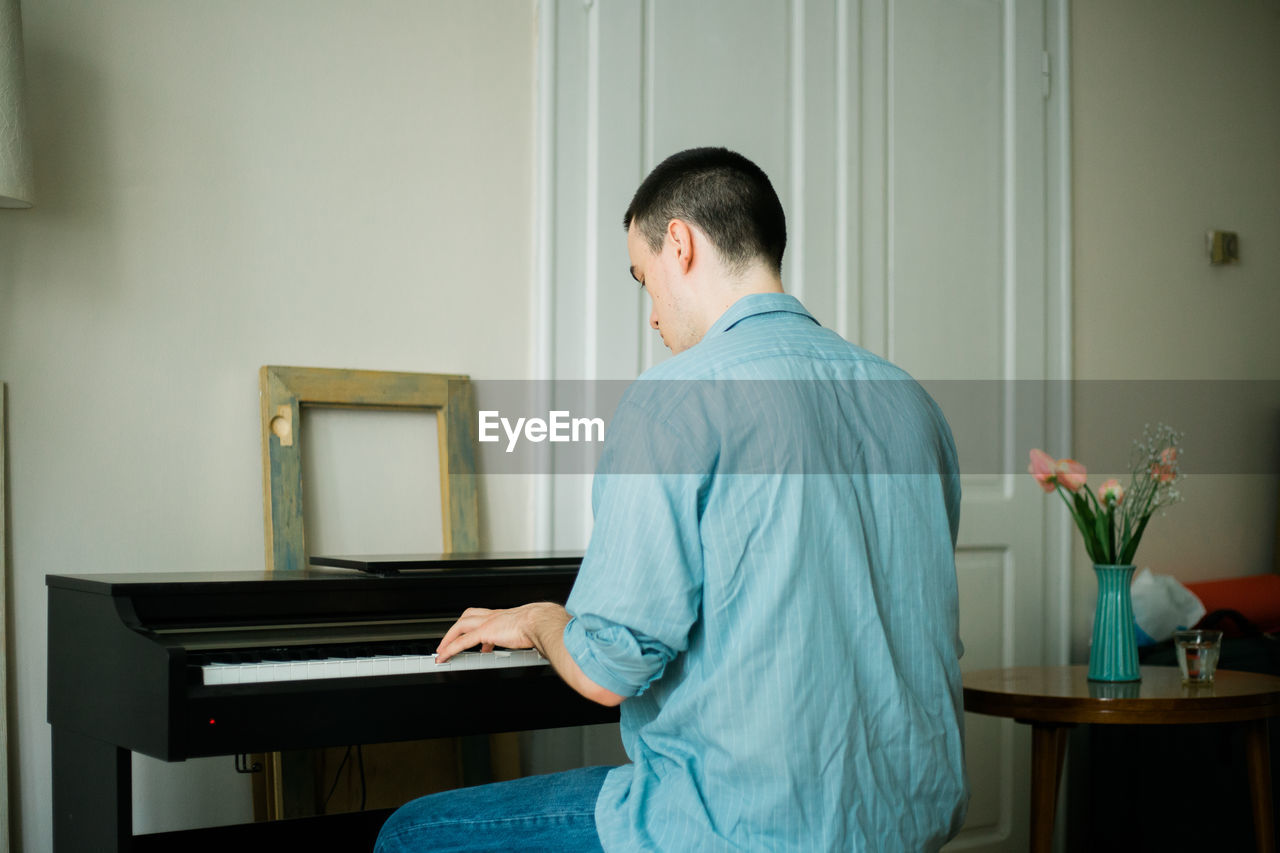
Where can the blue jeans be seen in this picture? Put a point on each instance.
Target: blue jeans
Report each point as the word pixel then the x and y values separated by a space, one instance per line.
pixel 555 812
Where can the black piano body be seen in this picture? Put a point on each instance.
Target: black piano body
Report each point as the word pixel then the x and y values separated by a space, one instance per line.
pixel 123 675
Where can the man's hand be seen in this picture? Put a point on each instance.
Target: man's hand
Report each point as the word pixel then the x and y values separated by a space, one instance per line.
pixel 538 626
pixel 511 629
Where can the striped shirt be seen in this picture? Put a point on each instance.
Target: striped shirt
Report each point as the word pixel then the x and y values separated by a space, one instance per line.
pixel 771 581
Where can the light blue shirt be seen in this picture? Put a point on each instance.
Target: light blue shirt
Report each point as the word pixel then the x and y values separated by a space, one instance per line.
pixel 772 581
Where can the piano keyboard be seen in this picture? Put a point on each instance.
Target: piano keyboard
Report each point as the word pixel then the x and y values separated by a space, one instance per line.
pixel 267 671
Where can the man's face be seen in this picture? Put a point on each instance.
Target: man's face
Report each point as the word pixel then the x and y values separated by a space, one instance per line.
pixel 672 315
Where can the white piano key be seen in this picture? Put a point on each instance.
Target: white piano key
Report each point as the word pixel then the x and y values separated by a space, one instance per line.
pixel 260 673
pixel 215 673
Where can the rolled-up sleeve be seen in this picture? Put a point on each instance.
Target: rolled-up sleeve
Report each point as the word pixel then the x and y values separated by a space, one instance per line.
pixel 613 656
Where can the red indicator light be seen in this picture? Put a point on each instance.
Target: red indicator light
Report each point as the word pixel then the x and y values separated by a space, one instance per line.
pixel 212 721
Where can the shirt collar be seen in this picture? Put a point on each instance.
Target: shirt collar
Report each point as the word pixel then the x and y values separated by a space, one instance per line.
pixel 758 303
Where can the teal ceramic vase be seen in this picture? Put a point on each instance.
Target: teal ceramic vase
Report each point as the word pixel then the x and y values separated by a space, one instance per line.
pixel 1114 653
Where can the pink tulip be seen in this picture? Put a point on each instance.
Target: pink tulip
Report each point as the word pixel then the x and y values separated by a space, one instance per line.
pixel 1071 474
pixel 1044 469
pixel 1111 493
pixel 1049 472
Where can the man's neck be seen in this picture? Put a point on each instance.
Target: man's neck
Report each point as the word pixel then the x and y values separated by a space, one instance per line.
pixel 758 279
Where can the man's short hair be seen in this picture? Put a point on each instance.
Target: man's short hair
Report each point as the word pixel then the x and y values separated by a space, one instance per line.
pixel 723 193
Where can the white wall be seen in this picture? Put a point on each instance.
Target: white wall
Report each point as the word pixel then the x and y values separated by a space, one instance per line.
pixel 221 186
pixel 1176 126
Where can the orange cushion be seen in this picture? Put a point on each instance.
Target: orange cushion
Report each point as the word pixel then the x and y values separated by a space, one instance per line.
pixel 1255 596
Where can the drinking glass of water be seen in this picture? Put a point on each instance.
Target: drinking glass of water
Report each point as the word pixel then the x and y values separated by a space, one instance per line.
pixel 1197 654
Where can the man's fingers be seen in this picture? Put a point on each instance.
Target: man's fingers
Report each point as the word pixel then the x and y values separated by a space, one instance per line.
pixel 467 623
pixel 450 647
pixel 470 618
pixel 451 635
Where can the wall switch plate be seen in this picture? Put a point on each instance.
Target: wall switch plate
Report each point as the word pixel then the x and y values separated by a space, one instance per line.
pixel 1224 247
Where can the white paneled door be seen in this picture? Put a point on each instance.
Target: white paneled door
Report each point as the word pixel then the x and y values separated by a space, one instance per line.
pixel 917 147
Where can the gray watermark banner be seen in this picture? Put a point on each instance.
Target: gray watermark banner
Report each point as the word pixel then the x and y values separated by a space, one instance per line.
pixel 778 426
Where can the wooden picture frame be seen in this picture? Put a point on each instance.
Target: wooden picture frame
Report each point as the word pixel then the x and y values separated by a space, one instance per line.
pixel 286 390
pixel 289 783
pixel 4 618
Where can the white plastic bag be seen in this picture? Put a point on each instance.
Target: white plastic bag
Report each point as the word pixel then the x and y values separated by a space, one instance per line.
pixel 1161 606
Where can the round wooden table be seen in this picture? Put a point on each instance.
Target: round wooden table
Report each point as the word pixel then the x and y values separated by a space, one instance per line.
pixel 1054 698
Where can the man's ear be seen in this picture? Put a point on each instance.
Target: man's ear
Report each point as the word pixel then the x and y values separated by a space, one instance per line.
pixel 681 236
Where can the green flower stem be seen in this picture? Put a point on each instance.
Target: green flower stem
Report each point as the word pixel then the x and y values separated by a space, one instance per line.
pixel 1103 528
pixel 1075 516
pixel 1131 547
pixel 1111 531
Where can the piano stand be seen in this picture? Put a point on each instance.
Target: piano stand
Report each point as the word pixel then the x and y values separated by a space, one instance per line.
pixel 93 811
pixel 92 794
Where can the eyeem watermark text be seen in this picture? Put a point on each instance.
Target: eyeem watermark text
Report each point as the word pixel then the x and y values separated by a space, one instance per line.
pixel 558 426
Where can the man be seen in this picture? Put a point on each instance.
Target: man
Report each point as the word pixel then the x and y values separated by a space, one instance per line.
pixel 769 591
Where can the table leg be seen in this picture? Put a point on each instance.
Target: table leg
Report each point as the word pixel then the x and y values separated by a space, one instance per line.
pixel 1258 752
pixel 1048 747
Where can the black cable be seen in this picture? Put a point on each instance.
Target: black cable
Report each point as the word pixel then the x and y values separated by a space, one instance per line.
pixel 336 777
pixel 360 759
